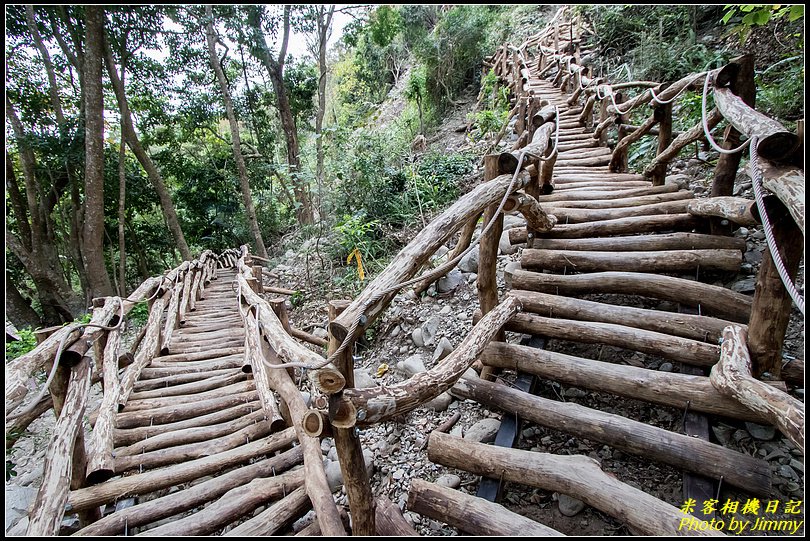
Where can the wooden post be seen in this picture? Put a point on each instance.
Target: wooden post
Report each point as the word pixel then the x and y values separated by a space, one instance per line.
pixel 743 85
pixel 347 443
pixel 770 312
pixel 619 161
pixel 60 468
pixel 732 377
pixel 257 273
pixel 520 125
pixel 488 249
pixel 663 115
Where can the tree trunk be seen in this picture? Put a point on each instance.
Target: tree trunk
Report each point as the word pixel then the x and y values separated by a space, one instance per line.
pixel 146 162
pixel 34 248
pixel 244 184
pixel 324 23
pixel 18 308
pixel 93 230
pixel 275 69
pixel 122 209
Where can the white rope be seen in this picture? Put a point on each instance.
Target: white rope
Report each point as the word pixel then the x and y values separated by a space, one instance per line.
pixel 74 326
pixel 707 131
pixel 756 180
pixel 681 91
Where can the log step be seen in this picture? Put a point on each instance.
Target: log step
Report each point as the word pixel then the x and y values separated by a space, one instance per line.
pixel 664 388
pixel 624 226
pixel 701 328
pixel 652 443
pixel 710 299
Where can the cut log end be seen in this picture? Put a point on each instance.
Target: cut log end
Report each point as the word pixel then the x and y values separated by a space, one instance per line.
pixel 329 380
pixel 342 413
pixel 315 423
pixel 99 476
pixel 778 146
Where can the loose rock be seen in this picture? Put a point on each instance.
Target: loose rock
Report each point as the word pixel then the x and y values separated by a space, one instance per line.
pixel 484 431
pixel 450 282
pixel 760 432
pixel 569 506
pixel 444 349
pixel 449 480
pixel 412 365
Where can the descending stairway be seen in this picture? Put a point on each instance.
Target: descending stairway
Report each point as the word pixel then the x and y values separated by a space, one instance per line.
pixel 194 420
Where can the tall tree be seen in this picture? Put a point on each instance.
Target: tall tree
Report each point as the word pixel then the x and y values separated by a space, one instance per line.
pixel 324 23
pixel 275 69
pixel 33 245
pixel 66 135
pixel 93 233
pixel 250 210
pixel 134 143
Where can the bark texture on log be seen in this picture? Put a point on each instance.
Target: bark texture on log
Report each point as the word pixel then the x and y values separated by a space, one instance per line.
pixel 189 498
pixel 470 514
pixel 668 389
pixel 130 436
pixel 624 226
pixel 48 508
pixel 150 481
pixel 740 470
pixel 736 209
pixel 147 351
pixel 732 377
pixel 701 328
pixel 682 261
pixel 654 343
pixel 634 243
pixel 578 476
pixel 271 520
pixel 378 404
pixel 579 215
pixel 775 141
pixel 787 184
pixel 234 504
pixel 100 462
pixel 714 300
pixel 389 519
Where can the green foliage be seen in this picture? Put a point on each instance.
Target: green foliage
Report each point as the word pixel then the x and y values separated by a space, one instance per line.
pixel 746 16
pixel 780 92
pixel 384 25
pixel 358 232
pixel 416 87
pixel 301 78
pixel 26 343
pixel 10 469
pixel 452 53
pixel 661 40
pixel 487 121
pixel 139 314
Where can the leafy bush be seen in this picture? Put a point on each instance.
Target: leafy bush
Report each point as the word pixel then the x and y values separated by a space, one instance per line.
pixel 26 343
pixel 487 121
pixel 139 314
pixel 780 92
pixel 746 17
